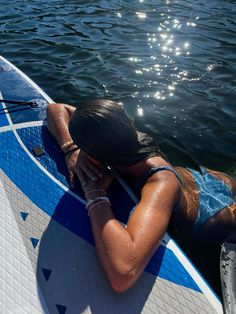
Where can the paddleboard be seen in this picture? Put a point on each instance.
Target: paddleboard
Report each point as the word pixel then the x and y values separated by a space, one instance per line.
pixel 48 262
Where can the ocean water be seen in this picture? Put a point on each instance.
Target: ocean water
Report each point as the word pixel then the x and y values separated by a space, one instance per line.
pixel 172 64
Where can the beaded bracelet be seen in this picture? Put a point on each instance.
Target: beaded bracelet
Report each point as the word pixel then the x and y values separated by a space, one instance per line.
pixel 97 203
pixel 99 198
pixel 66 145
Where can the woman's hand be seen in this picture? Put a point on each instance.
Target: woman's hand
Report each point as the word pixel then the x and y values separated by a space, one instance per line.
pixel 87 170
pixel 80 165
pixel 102 183
pixel 71 160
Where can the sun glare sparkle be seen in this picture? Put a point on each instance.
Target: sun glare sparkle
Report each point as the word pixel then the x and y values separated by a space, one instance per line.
pixel 140 111
pixel 141 15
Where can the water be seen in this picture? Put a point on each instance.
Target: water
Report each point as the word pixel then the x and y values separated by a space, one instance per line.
pixel 172 64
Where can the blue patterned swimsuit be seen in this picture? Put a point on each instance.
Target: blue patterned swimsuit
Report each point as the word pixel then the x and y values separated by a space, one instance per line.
pixel 213 194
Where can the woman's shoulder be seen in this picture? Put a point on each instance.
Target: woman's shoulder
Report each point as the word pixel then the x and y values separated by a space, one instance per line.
pixel 153 169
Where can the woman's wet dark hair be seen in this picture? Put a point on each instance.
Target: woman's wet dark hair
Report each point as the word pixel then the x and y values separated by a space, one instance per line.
pixel 103 130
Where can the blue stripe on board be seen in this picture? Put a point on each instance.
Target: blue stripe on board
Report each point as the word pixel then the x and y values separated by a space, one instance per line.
pixel 41 190
pixel 3 118
pixel 54 161
pixel 68 211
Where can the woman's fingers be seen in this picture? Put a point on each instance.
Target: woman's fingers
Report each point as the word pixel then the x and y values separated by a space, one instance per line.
pixel 97 171
pixel 87 169
pixel 72 179
pixel 81 177
pixel 90 173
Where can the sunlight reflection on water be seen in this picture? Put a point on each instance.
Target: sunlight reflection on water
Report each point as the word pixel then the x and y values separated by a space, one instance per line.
pixel 165 49
pixel 173 59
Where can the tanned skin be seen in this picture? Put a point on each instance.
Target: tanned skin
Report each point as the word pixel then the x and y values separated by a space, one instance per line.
pixel 125 251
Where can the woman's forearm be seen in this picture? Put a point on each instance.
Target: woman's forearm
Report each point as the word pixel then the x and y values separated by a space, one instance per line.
pixel 115 248
pixel 58 117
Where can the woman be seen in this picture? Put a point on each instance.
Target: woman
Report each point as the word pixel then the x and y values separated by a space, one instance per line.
pixel 99 134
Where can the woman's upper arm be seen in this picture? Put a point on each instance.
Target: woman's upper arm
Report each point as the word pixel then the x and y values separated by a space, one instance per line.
pixel 151 217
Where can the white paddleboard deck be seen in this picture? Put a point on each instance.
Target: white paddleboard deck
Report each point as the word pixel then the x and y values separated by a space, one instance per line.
pixel 48 262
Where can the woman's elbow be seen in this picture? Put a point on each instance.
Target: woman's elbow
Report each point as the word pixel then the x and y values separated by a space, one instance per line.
pixel 49 110
pixel 51 107
pixel 123 280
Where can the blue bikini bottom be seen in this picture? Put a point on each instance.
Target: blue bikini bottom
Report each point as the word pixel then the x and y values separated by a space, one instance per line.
pixel 213 196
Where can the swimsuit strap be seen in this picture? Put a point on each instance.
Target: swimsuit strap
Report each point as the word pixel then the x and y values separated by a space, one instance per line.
pixel 162 168
pixel 157 169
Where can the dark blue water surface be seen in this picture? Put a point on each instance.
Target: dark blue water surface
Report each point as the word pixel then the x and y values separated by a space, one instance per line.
pixel 172 64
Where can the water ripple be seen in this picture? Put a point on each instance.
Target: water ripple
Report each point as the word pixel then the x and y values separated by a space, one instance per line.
pixel 171 63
